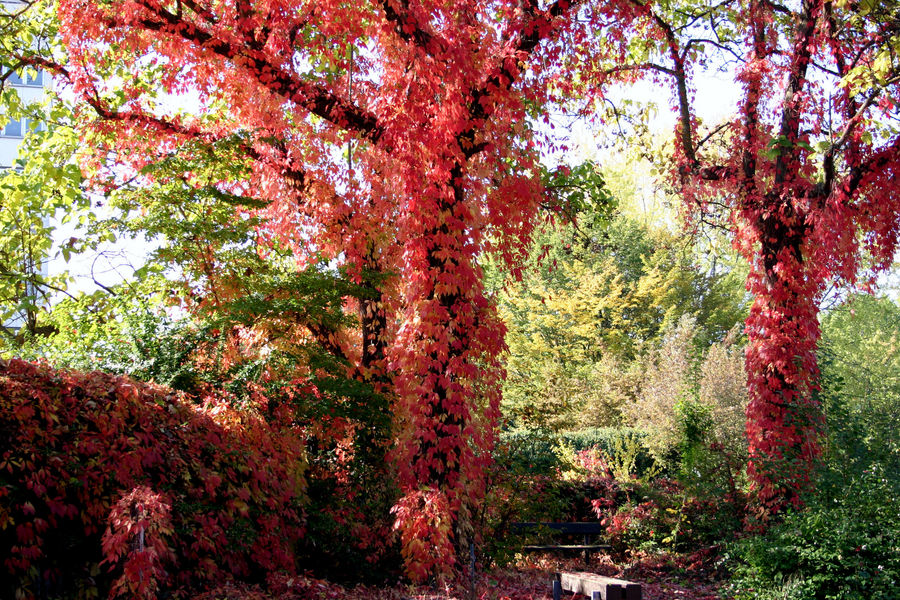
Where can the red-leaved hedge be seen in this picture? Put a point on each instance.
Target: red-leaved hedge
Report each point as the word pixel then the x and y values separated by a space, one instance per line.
pixel 112 486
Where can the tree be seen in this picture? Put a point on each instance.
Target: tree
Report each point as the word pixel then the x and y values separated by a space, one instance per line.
pixel 585 315
pixel 429 102
pixel 860 356
pixel 39 190
pixel 804 174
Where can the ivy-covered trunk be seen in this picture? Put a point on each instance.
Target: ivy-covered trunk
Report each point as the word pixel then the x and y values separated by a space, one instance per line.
pixel 783 419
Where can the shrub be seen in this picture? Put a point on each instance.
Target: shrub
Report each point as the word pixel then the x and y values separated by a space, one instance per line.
pixel 138 525
pixel 837 548
pixel 660 513
pixel 532 451
pixel 709 471
pixel 701 506
pixel 349 522
pixel 527 451
pixel 723 388
pixel 186 493
pixel 667 381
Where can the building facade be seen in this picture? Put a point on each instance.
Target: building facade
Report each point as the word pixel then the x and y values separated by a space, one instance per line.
pixel 30 89
pixel 17 261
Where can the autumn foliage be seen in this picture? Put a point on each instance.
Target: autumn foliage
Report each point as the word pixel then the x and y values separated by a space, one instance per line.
pixel 427 536
pixel 422 100
pixel 139 524
pixel 128 487
pixel 399 137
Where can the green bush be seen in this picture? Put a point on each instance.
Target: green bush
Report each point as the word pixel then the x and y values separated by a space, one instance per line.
pixel 839 547
pixel 532 451
pixel 527 451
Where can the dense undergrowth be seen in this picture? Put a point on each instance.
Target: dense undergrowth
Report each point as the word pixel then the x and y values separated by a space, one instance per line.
pixel 843 545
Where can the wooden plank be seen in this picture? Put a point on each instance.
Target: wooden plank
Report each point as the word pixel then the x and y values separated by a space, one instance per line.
pixel 608 588
pixel 581 584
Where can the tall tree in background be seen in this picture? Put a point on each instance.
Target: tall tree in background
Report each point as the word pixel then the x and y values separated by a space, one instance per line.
pixel 582 320
pixel 860 358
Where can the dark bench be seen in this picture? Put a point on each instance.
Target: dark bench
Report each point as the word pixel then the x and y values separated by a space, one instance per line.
pixel 596 587
pixel 587 531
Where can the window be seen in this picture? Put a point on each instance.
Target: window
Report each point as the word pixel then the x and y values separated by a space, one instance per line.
pixel 13 129
pixel 14 79
pixel 33 125
pixel 21 127
pixel 35 79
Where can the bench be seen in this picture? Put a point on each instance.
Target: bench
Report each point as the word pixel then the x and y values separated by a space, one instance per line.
pixel 586 530
pixel 596 587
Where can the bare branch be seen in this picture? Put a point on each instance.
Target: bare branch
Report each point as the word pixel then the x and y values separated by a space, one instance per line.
pixel 680 75
pixel 709 135
pixel 717 44
pixel 641 67
pixel 776 7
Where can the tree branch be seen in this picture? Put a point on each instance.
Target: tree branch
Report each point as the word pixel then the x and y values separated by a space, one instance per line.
pixel 314 98
pixel 776 7
pixel 406 26
pixel 790 115
pixel 828 159
pixel 538 27
pixel 715 43
pixel 297 176
pixel 648 66
pixel 680 75
pixel 709 135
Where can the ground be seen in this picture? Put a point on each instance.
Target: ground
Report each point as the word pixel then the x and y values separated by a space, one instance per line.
pixel 663 577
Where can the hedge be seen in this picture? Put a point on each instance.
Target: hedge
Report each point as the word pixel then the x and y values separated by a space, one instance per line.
pixel 112 486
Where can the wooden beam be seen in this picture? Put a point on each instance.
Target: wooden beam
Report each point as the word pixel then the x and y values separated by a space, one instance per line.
pixel 598 587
